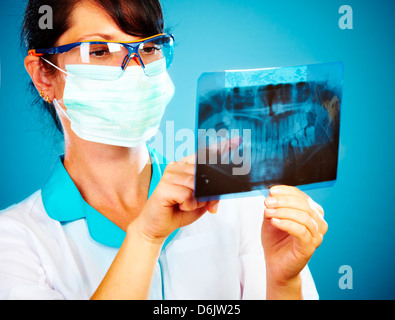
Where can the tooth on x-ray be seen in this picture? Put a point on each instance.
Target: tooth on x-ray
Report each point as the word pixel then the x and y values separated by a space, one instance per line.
pixel 288 120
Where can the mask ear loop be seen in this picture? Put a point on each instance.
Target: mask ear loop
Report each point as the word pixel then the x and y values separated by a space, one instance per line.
pixel 55 102
pixel 57 106
pixel 55 66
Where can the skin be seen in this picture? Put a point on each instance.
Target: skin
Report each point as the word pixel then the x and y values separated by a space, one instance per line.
pixel 115 181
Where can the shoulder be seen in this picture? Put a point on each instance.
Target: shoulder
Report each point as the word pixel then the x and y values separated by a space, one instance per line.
pixel 30 207
pixel 26 249
pixel 24 218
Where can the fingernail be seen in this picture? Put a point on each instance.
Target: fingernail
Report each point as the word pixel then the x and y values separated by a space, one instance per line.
pixel 270 201
pixel 214 209
pixel 275 190
pixel 276 220
pixel 271 212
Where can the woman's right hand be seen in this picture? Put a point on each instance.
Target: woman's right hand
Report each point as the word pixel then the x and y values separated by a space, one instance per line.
pixel 172 205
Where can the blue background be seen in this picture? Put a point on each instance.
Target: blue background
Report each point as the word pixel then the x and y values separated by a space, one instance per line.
pixel 215 35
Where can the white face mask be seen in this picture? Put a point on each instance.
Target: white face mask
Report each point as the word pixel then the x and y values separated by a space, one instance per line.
pixel 124 112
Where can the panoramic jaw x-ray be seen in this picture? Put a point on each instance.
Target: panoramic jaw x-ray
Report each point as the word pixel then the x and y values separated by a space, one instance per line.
pixel 264 127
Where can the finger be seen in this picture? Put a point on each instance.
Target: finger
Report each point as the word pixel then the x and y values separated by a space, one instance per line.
pixel 191 203
pixel 180 167
pixel 316 207
pixel 294 229
pixel 317 213
pixel 188 202
pixel 179 178
pixel 213 206
pixel 225 146
pixel 183 198
pixel 202 204
pixel 172 194
pixel 287 190
pixel 218 150
pixel 293 191
pixel 297 216
pixel 297 203
pixel 292 202
pixel 191 159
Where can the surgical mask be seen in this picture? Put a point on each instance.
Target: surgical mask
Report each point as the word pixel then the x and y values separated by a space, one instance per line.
pixel 124 112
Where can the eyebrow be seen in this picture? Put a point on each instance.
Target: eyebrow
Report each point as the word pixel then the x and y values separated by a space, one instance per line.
pixel 95 35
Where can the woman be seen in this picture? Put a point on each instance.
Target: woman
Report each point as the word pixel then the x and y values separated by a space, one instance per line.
pixel 112 221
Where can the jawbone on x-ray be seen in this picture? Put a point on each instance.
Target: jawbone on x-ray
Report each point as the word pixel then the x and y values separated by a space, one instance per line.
pixel 265 127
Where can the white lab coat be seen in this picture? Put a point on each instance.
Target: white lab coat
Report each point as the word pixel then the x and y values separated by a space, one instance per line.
pixel 219 256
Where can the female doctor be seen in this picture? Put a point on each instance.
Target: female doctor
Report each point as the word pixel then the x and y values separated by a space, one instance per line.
pixel 114 222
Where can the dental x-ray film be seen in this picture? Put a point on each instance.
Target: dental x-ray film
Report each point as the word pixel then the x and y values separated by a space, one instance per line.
pixel 265 127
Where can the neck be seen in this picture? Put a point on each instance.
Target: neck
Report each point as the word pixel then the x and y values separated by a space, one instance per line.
pixel 114 180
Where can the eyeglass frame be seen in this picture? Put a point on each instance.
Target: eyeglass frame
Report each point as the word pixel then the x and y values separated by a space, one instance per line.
pixel 131 46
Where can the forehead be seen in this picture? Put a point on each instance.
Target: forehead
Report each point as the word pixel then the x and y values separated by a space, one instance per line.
pixel 91 22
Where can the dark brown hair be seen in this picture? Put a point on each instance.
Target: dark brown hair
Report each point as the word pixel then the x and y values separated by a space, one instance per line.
pixel 139 18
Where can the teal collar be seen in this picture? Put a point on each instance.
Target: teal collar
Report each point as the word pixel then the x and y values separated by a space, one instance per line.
pixel 64 203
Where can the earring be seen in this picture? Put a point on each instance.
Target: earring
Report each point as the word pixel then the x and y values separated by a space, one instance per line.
pixel 46 98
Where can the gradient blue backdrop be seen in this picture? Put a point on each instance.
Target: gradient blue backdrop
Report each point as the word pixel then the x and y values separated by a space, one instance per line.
pixel 215 35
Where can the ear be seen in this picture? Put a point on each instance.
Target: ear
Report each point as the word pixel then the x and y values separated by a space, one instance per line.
pixel 41 77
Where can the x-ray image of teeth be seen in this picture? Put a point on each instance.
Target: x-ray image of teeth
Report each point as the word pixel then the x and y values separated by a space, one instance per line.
pixel 285 121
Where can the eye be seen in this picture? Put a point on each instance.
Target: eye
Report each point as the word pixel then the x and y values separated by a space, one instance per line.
pixel 99 50
pixel 150 49
pixel 99 53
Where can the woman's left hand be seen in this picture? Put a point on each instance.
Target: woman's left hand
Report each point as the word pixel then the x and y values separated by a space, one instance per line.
pixel 292 230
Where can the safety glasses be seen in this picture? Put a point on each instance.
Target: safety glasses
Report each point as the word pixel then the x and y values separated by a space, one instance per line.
pixel 153 54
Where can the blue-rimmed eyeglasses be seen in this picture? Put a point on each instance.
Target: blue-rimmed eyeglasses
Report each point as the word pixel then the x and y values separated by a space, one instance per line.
pixel 158 49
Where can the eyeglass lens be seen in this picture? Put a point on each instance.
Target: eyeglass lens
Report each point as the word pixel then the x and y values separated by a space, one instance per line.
pixel 115 54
